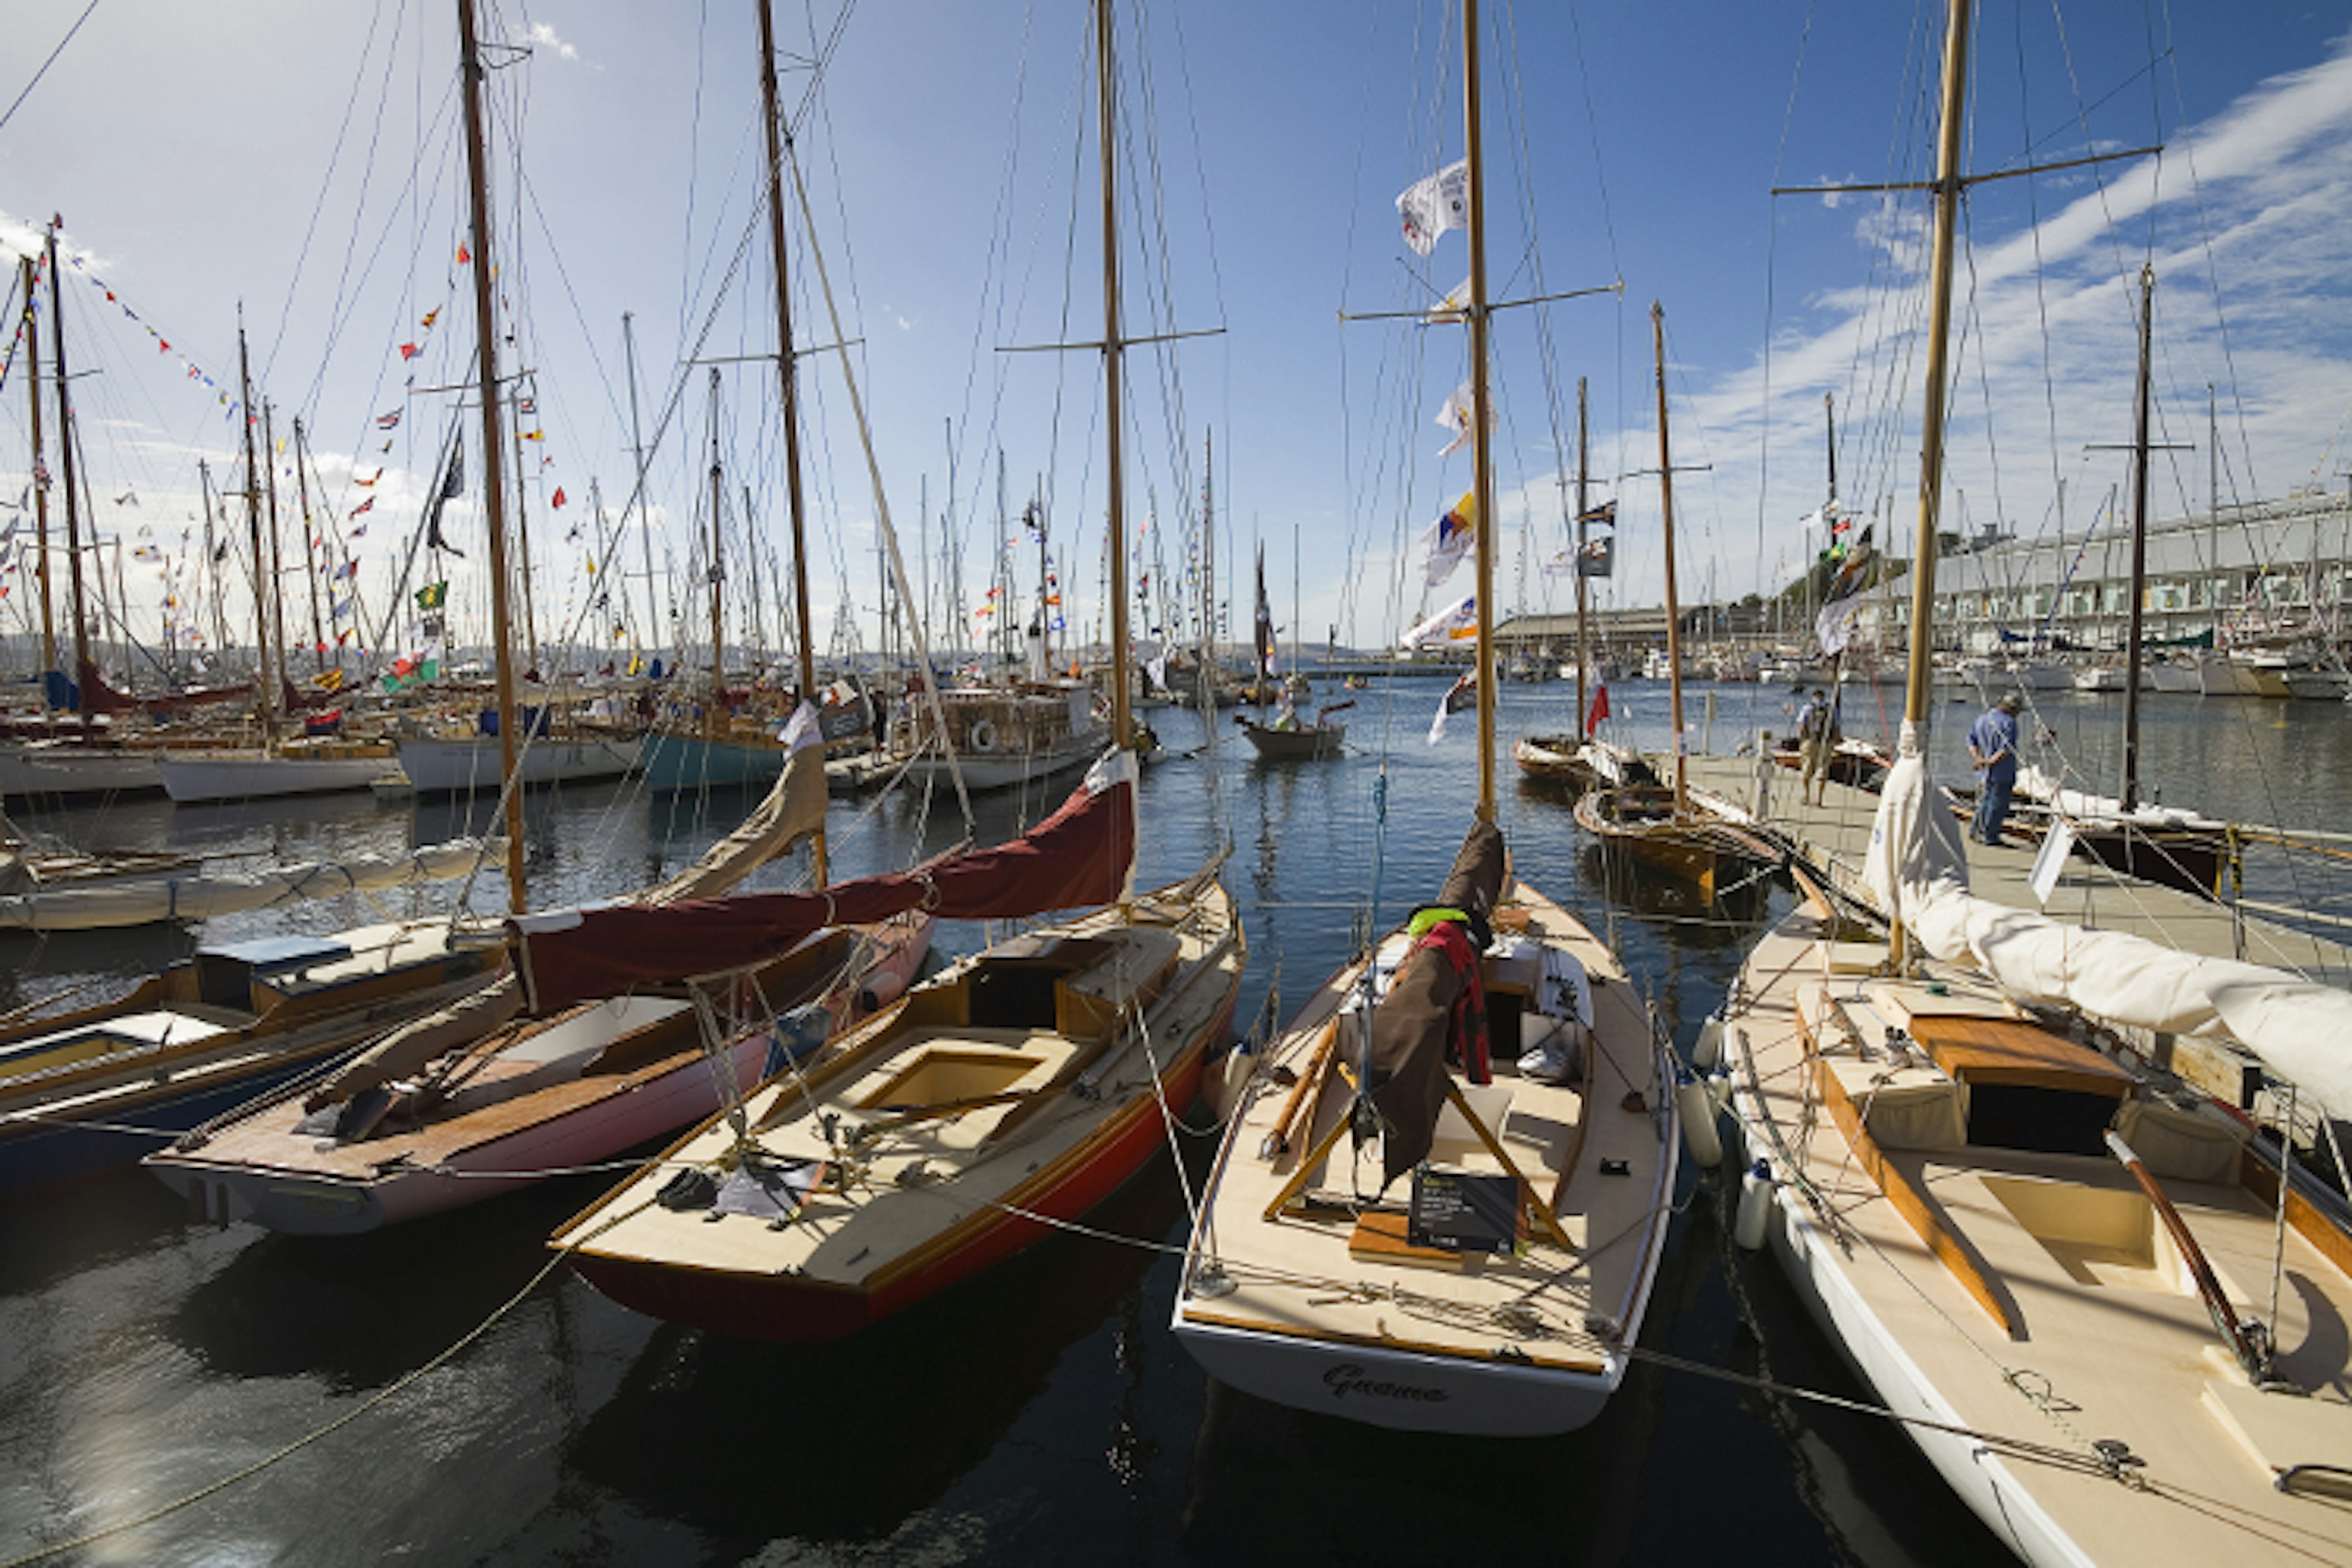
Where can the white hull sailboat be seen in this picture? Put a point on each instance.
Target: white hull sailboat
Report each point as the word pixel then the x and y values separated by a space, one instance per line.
pixel 1441 1199
pixel 1304 1287
pixel 296 768
pixel 1016 1089
pixel 2110 1323
pixel 464 766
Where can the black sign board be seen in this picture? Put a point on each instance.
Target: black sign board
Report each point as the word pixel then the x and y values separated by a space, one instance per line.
pixel 1464 1211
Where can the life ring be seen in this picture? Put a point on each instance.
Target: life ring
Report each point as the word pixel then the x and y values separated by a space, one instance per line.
pixel 983 736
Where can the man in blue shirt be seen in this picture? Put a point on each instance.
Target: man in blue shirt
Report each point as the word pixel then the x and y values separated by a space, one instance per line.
pixel 1993 746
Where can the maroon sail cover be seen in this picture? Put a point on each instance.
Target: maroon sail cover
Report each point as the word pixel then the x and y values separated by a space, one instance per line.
pixel 1077 856
pixel 98 697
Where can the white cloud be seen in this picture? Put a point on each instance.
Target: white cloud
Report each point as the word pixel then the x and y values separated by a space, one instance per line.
pixel 542 36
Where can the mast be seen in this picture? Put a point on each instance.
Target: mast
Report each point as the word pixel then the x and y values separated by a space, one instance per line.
pixel 310 553
pixel 41 468
pixel 212 563
pixel 1912 740
pixel 276 604
pixel 637 451
pixel 710 725
pixel 265 695
pixel 1946 188
pixel 1207 585
pixel 1120 719
pixel 1674 606
pixel 2139 543
pixel 522 545
pixel 1483 480
pixel 82 668
pixel 493 457
pixel 774 118
pixel 1584 510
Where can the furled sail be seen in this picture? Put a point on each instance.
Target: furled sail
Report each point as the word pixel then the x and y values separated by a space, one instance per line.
pixel 2300 1030
pixel 1415 1020
pixel 1083 854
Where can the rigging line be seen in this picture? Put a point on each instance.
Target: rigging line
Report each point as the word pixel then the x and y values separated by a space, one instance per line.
pixel 1771 287
pixel 18 103
pixel 318 206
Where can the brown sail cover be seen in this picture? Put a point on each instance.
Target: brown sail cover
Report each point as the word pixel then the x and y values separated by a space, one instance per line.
pixel 1077 856
pixel 1411 1024
pixel 98 697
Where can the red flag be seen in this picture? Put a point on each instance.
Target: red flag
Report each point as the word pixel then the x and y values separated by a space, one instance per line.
pixel 1598 710
pixel 558 497
pixel 364 506
pixel 408 351
pixel 463 256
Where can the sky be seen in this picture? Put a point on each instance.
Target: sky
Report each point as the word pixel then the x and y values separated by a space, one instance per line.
pixel 301 164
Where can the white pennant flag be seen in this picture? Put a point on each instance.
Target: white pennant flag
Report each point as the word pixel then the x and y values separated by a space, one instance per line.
pixel 1456 625
pixel 1430 206
pixel 1445 541
pixel 1455 416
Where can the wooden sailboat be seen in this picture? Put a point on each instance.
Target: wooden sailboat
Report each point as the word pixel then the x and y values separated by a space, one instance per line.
pixel 2105 1317
pixel 1659 826
pixel 209 1034
pixel 2173 849
pixel 464 1105
pixel 1286 738
pixel 283 760
pixel 1582 759
pixel 1501 1296
pixel 1016 1089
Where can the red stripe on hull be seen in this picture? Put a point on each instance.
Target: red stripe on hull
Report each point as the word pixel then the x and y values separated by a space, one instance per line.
pixel 800 1309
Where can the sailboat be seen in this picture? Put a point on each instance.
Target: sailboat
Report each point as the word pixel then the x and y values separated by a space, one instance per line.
pixel 2171 848
pixel 1583 761
pixel 1498 1291
pixel 1012 1091
pixel 467 1103
pixel 1658 824
pixel 1286 737
pixel 732 747
pixel 2108 1317
pixel 286 760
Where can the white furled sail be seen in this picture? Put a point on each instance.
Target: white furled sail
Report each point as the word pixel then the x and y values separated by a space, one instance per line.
pixel 2300 1030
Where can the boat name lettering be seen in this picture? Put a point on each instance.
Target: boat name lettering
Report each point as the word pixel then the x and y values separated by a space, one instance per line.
pixel 1347 1378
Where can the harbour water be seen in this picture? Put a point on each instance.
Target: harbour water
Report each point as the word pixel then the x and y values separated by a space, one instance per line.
pixel 1041 1413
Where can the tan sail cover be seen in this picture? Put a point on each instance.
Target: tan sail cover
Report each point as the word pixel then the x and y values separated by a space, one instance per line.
pixel 2300 1030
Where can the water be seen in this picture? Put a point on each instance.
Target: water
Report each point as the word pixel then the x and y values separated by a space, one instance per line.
pixel 1043 1413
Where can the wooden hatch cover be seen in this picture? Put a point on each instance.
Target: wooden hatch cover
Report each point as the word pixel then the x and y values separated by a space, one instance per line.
pixel 2014 1051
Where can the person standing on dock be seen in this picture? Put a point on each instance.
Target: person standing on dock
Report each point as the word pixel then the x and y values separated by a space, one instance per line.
pixel 1993 746
pixel 1817 739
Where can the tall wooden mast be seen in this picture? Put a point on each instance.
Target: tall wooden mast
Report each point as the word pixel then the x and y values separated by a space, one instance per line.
pixel 2139 543
pixel 1916 694
pixel 1584 511
pixel 1120 719
pixel 1482 481
pixel 40 470
pixel 787 373
pixel 470 66
pixel 712 725
pixel 83 668
pixel 1673 600
pixel 311 553
pixel 265 694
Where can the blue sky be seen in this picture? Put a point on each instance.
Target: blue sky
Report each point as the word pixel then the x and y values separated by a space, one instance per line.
pixel 299 159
